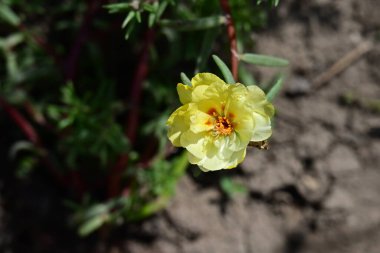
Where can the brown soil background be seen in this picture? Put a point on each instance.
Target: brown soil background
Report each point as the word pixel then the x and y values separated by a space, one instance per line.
pixel 316 190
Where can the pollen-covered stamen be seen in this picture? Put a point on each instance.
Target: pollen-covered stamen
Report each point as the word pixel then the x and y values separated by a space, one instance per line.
pixel 223 126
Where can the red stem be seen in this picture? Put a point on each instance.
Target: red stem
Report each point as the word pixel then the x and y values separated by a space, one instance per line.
pixel 32 135
pixel 232 37
pixel 140 75
pixel 72 59
pixel 133 117
pixel 24 125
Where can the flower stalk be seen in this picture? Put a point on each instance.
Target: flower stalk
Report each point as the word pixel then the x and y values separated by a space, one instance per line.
pixel 231 32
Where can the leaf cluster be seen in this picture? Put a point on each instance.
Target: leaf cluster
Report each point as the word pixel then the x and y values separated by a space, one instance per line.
pixel 76 74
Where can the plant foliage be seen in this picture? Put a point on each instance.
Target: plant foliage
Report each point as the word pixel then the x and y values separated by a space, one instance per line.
pixel 89 86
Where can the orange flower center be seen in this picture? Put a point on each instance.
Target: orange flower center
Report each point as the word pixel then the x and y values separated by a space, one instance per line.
pixel 223 126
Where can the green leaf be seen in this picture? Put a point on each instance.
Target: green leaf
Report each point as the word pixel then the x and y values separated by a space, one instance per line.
pixel 185 79
pixel 20 146
pixel 129 30
pixel 128 18
pixel 180 164
pixel 207 45
pixel 160 10
pixel 117 7
pixel 148 7
pixel 92 224
pixel 232 188
pixel 138 16
pixel 272 3
pixel 264 60
pixel 177 169
pixel 11 41
pixel 96 210
pixel 224 69
pixel 65 123
pixel 151 19
pixel 276 87
pixel 53 112
pixel 245 76
pixel 8 15
pixel 12 66
pixel 195 24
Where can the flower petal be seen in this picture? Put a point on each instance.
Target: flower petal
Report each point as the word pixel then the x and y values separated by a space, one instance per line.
pixel 184 93
pixel 258 101
pixel 178 123
pixel 205 79
pixel 201 122
pixel 198 93
pixel 263 129
pixel 236 158
pixel 194 143
pixel 209 105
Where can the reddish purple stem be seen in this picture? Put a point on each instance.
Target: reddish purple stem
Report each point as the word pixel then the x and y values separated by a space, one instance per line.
pixel 133 117
pixel 73 58
pixel 232 38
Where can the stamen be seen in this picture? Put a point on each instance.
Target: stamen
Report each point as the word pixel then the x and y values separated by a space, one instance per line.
pixel 223 126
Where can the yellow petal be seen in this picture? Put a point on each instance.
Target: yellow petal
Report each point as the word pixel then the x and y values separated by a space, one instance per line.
pixel 184 93
pixel 198 93
pixel 263 129
pixel 242 119
pixel 258 101
pixel 210 100
pixel 212 163
pixel 235 143
pixel 193 159
pixel 256 94
pixel 194 143
pixel 236 158
pixel 178 123
pixel 205 79
pixel 201 122
pixel 238 93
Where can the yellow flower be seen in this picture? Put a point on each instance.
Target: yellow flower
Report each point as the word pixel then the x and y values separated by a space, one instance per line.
pixel 218 120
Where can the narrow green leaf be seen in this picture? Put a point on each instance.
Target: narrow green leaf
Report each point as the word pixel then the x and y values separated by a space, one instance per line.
pixel 138 16
pixel 264 60
pixel 12 65
pixel 195 24
pixel 232 188
pixel 11 41
pixel 129 30
pixel 116 7
pixel 161 8
pixel 151 19
pixel 276 87
pixel 65 123
pixel 91 225
pixel 8 15
pixel 245 76
pixel 228 77
pixel 96 210
pixel 180 165
pixel 53 112
pixel 128 18
pixel 20 146
pixel 207 45
pixel 148 7
pixel 185 79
